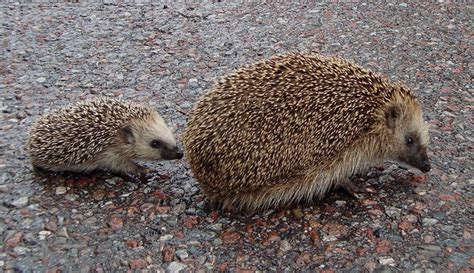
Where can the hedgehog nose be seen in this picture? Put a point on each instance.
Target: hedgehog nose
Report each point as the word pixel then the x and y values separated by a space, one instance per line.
pixel 425 166
pixel 179 153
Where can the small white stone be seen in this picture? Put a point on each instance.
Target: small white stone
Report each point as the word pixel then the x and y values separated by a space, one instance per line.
pixel 44 234
pixel 193 83
pixel 20 202
pixel 175 267
pixel 41 80
pixel 182 254
pixel 429 221
pixel 60 190
pixel 387 261
pixel 166 237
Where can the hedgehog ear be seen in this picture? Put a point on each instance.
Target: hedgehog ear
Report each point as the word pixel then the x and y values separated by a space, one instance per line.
pixel 392 114
pixel 127 134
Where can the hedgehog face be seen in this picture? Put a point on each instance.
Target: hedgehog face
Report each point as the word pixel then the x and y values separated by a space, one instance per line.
pixel 151 139
pixel 411 138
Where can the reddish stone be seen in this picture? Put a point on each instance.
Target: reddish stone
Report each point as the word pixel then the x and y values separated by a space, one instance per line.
pixel 137 264
pixel 314 224
pixel 404 225
pixel 116 223
pixel 222 267
pixel 467 234
pixel 83 182
pixel 336 230
pixel 191 221
pixel 418 179
pixel 230 237
pixel 179 234
pixel 25 212
pixel 98 194
pixel 361 251
pixel 54 270
pixel 14 240
pixel 375 212
pixel 383 246
pixel 161 195
pixel 168 254
pixel 131 212
pixel 249 228
pixel 313 234
pixel 448 197
pixel 162 209
pixel 303 259
pixel 214 215
pixel 260 222
pixel 369 202
pixel 132 243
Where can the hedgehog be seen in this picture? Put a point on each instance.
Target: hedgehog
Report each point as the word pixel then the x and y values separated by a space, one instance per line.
pixel 294 126
pixel 100 133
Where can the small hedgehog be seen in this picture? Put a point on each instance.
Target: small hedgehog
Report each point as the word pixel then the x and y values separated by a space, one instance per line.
pixel 292 127
pixel 100 134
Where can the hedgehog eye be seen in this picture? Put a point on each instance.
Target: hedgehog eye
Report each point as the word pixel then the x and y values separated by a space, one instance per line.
pixel 409 141
pixel 155 144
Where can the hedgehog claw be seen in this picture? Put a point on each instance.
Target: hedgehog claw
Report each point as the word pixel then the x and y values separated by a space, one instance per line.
pixel 351 188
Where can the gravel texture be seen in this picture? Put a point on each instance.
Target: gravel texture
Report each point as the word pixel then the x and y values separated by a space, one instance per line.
pixel 168 54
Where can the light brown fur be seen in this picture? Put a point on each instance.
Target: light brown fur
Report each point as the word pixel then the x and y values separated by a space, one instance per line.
pixel 292 127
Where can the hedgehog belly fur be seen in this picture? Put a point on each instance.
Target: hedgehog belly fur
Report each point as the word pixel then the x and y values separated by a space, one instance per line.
pixel 315 184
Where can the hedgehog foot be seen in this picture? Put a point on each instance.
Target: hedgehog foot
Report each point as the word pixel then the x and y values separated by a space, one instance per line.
pixel 40 171
pixel 351 188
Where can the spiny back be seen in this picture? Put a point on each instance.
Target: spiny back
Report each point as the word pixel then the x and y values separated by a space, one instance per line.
pixel 76 133
pixel 274 119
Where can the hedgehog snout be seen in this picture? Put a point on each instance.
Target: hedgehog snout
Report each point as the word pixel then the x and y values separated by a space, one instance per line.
pixel 425 166
pixel 419 161
pixel 173 153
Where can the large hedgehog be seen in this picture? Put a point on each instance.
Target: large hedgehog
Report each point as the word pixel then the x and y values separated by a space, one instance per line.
pixel 294 126
pixel 100 133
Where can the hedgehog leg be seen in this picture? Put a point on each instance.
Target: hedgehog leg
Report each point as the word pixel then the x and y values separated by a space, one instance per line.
pixel 351 188
pixel 126 167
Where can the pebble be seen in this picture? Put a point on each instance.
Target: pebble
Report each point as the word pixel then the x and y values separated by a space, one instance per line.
pixel 20 250
pixel 175 267
pixel 393 212
pixel 166 237
pixel 329 238
pixel 433 248
pixel 41 80
pixel 193 83
pixel 60 190
pixel 71 197
pixel 447 228
pixel 20 202
pixel 429 221
pixel 458 258
pixel 285 246
pixel 63 232
pixel 182 254
pixel 387 261
pixel 42 235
